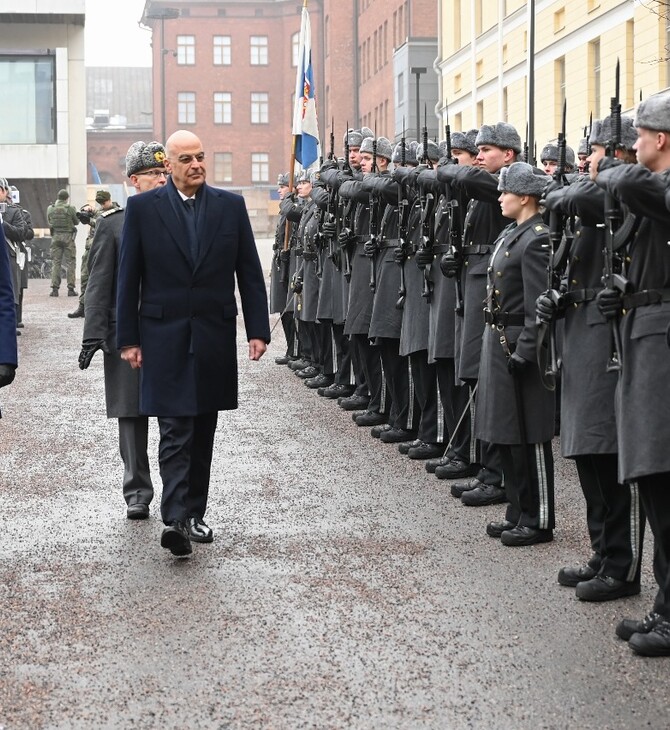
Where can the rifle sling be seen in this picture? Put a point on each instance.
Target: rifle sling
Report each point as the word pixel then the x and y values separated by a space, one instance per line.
pixel 625 233
pixel 579 296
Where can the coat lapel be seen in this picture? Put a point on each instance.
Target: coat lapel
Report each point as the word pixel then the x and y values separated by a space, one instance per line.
pixel 210 217
pixel 172 222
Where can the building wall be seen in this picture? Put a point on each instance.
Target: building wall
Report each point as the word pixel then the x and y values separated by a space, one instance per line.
pixel 483 61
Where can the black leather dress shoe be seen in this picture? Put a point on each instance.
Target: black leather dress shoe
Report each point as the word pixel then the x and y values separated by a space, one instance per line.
pixel 309 372
pixel 299 364
pixel 571 576
pixel 483 495
pixel 283 360
pixel 377 431
pixel 425 451
pixel 337 390
pixel 396 436
pixel 456 469
pixel 654 643
pixel 629 626
pixel 404 447
pixel 354 403
pixel 496 529
pixel 175 538
pixel 370 418
pixel 198 530
pixel 519 536
pixel 458 489
pixel 319 381
pixel 605 588
pixel 137 511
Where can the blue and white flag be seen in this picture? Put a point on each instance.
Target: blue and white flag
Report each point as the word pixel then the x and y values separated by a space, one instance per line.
pixel 305 124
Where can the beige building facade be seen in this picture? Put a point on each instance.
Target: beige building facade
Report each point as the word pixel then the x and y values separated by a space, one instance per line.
pixel 483 64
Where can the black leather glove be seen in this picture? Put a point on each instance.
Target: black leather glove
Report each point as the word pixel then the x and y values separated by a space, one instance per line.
pixel 88 349
pixel 548 305
pixel 344 237
pixel 329 229
pixel 285 255
pixel 423 257
pixel 399 255
pixel 309 254
pixel 329 165
pixel 450 264
pixel 609 303
pixel 553 199
pixel 370 247
pixel 516 364
pixel 299 250
pixel 7 373
pixel 296 284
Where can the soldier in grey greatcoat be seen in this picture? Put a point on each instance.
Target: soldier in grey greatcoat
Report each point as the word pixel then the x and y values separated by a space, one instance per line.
pixel 145 168
pixel 615 518
pixel 643 312
pixel 515 411
pixel 16 230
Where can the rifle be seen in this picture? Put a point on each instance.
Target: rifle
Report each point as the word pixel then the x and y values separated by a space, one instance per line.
pixel 331 151
pixel 402 222
pixel 561 237
pixel 374 212
pixel 427 208
pixel 454 224
pixel 347 165
pixel 613 279
pixel 587 134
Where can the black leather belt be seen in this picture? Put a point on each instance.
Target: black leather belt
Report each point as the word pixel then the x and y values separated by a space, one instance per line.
pixel 579 296
pixel 442 248
pixel 504 319
pixel 471 250
pixel 390 243
pixel 645 297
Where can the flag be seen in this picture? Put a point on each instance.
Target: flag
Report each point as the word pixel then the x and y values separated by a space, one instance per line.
pixel 305 124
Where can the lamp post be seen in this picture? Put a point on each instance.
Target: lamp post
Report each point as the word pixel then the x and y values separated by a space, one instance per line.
pixel 418 71
pixel 163 14
pixel 531 80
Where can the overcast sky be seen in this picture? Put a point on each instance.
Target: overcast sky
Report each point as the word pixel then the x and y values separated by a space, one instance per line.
pixel 113 36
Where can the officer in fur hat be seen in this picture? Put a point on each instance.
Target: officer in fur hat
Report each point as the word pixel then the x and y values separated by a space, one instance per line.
pixel 146 171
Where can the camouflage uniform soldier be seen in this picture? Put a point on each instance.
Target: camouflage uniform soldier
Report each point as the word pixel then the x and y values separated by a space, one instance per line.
pixel 62 219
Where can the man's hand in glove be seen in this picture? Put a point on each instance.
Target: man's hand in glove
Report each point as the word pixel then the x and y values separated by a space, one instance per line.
pixel 516 364
pixel 7 373
pixel 329 229
pixel 547 306
pixel 608 302
pixel 370 247
pixel 399 255
pixel 450 264
pixel 423 257
pixel 88 349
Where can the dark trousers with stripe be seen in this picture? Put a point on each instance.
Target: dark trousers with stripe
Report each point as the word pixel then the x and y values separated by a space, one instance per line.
pixel 344 375
pixel 484 453
pixel 288 325
pixel 529 483
pixel 431 422
pixel 396 373
pixel 655 498
pixel 367 358
pixel 185 460
pixel 454 400
pixel 614 517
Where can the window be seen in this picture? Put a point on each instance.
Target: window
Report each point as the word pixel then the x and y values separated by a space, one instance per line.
pixel 186 50
pixel 326 37
pixel 594 63
pixel 222 50
pixel 260 167
pixel 223 107
pixel 29 101
pixel 259 107
pixel 559 76
pixel 479 69
pixel 559 20
pixel 400 89
pixel 223 167
pixel 259 50
pixel 295 49
pixel 186 107
pixel 480 113
pixel 458 82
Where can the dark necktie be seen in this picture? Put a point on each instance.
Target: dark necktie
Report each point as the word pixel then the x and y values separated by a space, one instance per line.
pixel 192 232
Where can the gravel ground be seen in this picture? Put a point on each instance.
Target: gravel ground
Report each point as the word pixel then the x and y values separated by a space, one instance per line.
pixel 345 587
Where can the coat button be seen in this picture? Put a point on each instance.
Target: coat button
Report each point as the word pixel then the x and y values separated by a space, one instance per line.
pixel 507 254
pixel 498 273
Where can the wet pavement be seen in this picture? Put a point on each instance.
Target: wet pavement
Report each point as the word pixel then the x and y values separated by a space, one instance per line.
pixel 345 587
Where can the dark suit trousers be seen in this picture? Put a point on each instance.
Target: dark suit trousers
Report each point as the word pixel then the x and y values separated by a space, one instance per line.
pixel 370 361
pixel 185 459
pixel 529 484
pixel 614 517
pixel 431 423
pixel 133 435
pixel 396 372
pixel 345 374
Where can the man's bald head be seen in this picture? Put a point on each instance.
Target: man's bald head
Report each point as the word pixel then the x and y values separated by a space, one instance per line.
pixel 185 161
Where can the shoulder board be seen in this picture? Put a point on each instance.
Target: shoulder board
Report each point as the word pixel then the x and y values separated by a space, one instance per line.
pixel 540 229
pixel 111 211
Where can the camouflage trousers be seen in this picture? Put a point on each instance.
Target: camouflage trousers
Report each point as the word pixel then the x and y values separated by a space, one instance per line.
pixel 63 247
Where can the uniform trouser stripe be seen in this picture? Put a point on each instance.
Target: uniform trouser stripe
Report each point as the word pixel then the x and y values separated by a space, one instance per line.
pixel 473 440
pixel 410 410
pixel 382 400
pixel 635 541
pixel 333 344
pixel 543 496
pixel 296 339
pixel 440 415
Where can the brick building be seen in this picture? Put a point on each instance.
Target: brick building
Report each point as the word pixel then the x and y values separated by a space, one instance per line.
pixel 226 69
